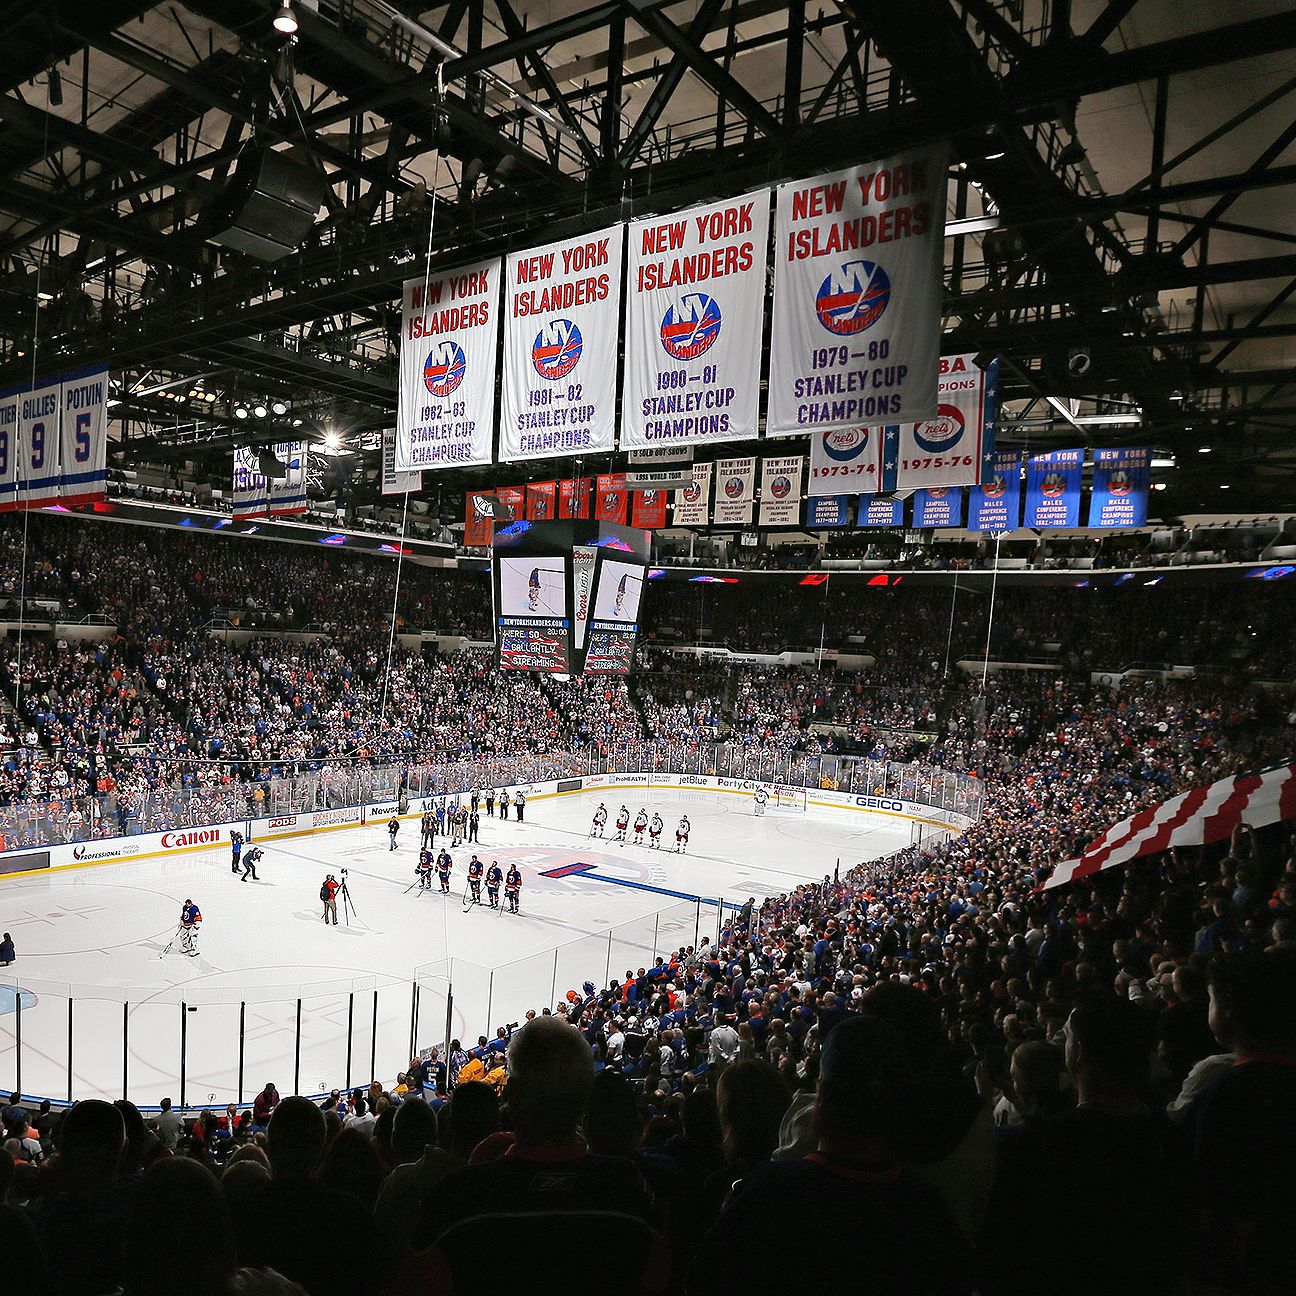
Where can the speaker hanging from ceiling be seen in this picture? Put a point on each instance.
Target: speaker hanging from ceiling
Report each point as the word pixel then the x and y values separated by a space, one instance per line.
pixel 269 206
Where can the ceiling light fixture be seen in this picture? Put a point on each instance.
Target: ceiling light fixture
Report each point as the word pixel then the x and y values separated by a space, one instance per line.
pixel 1205 449
pixel 279 407
pixel 259 411
pixel 241 412
pixel 285 20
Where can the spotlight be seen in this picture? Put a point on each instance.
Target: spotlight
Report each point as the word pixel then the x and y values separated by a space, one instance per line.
pixel 240 412
pixel 279 407
pixel 209 397
pixel 332 440
pixel 285 20
pixel 259 411
pixel 296 422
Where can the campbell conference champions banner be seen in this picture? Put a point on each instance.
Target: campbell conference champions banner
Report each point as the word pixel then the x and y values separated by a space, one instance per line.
pixel 1121 481
pixel 1053 488
pixel 562 307
pixel 995 505
pixel 781 490
pixel 938 506
pixel 446 407
pixel 695 297
pixel 956 447
pixel 693 501
pixel 856 331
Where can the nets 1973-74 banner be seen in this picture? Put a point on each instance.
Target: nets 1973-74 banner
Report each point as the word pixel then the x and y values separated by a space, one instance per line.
pixel 562 304
pixel 695 293
pixel 856 331
pixel 446 408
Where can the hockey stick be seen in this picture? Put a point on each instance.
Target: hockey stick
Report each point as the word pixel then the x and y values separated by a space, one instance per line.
pixel 172 941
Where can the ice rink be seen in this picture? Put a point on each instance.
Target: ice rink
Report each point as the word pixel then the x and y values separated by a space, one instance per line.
pixel 95 937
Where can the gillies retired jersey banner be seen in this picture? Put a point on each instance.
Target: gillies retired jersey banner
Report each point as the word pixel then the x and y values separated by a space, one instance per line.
pixel 858 256
pixel 446 410
pixel 561 309
pixel 695 294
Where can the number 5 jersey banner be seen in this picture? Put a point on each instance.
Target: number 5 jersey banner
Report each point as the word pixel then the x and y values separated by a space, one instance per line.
pixel 1053 488
pixel 561 312
pixel 858 256
pixel 695 295
pixel 445 413
pixel 1121 481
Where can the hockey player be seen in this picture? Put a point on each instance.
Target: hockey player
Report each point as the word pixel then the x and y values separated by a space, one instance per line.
pixel 423 870
pixel 475 879
pixel 641 822
pixel 519 803
pixel 655 831
pixel 682 834
pixel 600 821
pixel 494 876
pixel 503 803
pixel 443 865
pixel 236 849
pixel 622 823
pixel 190 917
pixel 759 800
pixel 513 887
pixel 393 827
pixel 250 861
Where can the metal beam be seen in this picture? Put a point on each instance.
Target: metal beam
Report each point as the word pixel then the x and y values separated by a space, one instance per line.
pixel 1107 21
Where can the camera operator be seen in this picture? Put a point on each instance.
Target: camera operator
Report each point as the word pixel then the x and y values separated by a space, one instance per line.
pixel 328 893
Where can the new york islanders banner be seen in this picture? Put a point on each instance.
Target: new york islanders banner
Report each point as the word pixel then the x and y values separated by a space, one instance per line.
pixel 938 506
pixel 574 498
pixel 954 448
pixel 1121 481
pixel 781 490
pixel 692 503
pixel 513 498
pixel 695 297
pixel 479 524
pixel 540 498
pixel 995 505
pixel 259 496
pixel 1053 488
pixel 9 450
pixel 735 491
pixel 562 306
pixel 84 438
pixel 849 459
pixel 610 498
pixel 880 511
pixel 648 509
pixel 446 406
pixel 827 511
pixel 858 256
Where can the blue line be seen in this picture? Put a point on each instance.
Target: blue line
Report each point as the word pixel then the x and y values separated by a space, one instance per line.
pixel 644 886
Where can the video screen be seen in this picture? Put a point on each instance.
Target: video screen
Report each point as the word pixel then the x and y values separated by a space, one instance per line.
pixel 533 586
pixel 534 628
pixel 620 587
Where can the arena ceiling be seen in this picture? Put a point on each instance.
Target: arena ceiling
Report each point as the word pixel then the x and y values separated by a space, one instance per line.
pixel 1121 228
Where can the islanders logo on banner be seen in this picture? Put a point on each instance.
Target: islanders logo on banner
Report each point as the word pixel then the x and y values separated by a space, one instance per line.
pixel 995 488
pixel 845 444
pixel 693 492
pixel 611 501
pixel 853 298
pixel 1053 485
pixel 943 432
pixel 734 488
pixel 937 492
pixel 690 326
pixel 444 368
pixel 1119 483
pixel 556 349
pixel 780 487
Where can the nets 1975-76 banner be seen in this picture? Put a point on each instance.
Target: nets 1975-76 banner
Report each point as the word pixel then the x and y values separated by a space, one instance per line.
pixel 956 447
pixel 446 410
pixel 695 292
pixel 856 331
pixel 561 309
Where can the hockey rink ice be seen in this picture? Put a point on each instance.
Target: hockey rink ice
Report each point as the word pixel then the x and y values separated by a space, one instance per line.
pixel 96 936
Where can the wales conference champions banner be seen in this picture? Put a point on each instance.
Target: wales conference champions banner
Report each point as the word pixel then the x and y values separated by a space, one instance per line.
pixel 1121 481
pixel 1053 488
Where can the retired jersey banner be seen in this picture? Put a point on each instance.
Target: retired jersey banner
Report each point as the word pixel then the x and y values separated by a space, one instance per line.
pixel 85 436
pixel 880 511
pixel 39 413
pixel 827 511
pixel 540 501
pixel 692 503
pixel 735 491
pixel 848 460
pixel 954 448
pixel 1121 481
pixel 781 490
pixel 938 506
pixel 648 509
pixel 574 498
pixel 479 523
pixel 257 495
pixel 995 505
pixel 8 450
pixel 1053 488
pixel 445 412
pixel 695 298
pixel 514 499
pixel 393 482
pixel 562 306
pixel 610 498
pixel 858 257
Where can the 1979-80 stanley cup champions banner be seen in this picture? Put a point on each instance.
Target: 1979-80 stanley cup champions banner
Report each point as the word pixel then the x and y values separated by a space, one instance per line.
pixel 857 295
pixel 445 415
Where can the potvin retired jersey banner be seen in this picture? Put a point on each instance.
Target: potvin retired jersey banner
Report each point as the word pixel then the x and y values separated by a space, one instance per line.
pixel 1053 488
pixel 856 332
pixel 1121 481
pixel 446 410
pixel 562 305
pixel 85 436
pixel 695 296
pixel 735 491
pixel 956 447
pixel 692 503
pixel 781 490
pixel 845 459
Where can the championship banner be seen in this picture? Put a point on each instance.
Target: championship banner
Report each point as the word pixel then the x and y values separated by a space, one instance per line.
pixel 827 511
pixel 514 499
pixel 880 511
pixel 847 460
pixel 1121 481
pixel 540 501
pixel 953 448
pixel 858 259
pixel 781 490
pixel 446 407
pixel 648 509
pixel 85 436
pixel 995 505
pixel 938 506
pixel 574 498
pixel 691 503
pixel 8 450
pixel 695 296
pixel 393 482
pixel 610 498
pixel 38 445
pixel 735 491
pixel 1053 488
pixel 259 496
pixel 479 522
pixel 562 305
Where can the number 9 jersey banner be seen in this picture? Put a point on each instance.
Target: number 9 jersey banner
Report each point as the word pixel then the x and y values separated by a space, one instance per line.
pixel 858 256
pixel 445 414
pixel 695 294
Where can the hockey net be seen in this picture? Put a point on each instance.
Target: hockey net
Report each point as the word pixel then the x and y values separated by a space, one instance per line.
pixel 785 797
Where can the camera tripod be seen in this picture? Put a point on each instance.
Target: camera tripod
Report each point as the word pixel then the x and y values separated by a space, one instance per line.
pixel 348 907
